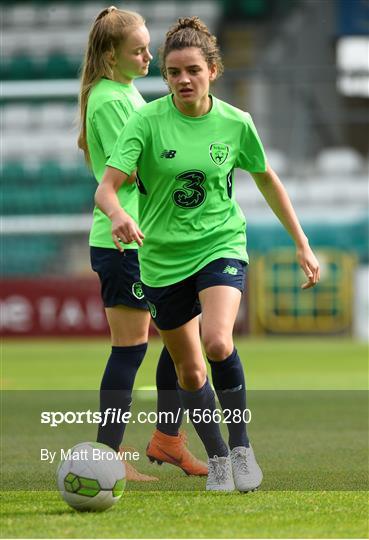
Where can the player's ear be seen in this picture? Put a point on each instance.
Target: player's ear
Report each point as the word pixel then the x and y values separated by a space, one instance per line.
pixel 213 72
pixel 110 57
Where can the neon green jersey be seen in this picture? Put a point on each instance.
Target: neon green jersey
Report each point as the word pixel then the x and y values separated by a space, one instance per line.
pixel 109 106
pixel 185 164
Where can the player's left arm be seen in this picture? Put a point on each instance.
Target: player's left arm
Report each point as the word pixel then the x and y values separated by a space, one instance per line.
pixel 277 198
pixel 124 228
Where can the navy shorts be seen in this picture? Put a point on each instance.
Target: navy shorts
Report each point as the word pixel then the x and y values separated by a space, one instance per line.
pixel 119 275
pixel 176 304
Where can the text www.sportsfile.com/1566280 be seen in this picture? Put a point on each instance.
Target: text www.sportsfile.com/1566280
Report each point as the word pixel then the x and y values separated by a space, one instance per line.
pixel 113 416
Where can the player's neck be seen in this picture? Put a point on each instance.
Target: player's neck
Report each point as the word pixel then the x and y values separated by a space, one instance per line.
pixel 121 78
pixel 200 108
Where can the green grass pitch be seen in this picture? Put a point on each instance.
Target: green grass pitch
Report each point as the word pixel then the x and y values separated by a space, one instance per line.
pixel 177 506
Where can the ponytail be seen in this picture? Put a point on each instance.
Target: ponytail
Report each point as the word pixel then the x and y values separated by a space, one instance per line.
pixel 108 31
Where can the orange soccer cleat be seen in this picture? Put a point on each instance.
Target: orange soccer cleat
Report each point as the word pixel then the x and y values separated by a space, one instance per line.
pixel 172 449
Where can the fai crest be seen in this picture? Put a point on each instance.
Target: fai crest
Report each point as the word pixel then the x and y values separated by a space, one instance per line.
pixel 137 290
pixel 219 152
pixel 152 309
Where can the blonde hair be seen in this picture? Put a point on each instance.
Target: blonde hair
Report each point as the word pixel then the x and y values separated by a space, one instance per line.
pixel 109 30
pixel 191 32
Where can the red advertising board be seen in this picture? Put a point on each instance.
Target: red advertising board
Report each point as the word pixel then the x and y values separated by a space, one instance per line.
pixel 61 307
pixel 51 307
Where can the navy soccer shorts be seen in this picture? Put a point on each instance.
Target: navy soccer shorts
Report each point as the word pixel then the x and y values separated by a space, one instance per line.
pixel 119 275
pixel 176 304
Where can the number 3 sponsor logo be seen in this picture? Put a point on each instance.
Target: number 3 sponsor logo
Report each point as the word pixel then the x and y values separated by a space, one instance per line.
pixel 192 194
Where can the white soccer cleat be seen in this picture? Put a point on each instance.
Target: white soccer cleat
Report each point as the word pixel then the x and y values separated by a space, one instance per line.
pixel 220 477
pixel 246 472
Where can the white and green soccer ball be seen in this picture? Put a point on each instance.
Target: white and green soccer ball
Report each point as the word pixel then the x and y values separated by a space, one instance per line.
pixel 91 477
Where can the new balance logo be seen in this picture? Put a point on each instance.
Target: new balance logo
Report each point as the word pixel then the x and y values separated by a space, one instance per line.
pixel 168 154
pixel 230 270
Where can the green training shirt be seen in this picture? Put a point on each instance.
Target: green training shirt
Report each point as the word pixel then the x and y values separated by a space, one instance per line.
pixel 187 206
pixel 109 106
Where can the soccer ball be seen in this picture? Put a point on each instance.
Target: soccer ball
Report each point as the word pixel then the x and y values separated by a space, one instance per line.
pixel 91 477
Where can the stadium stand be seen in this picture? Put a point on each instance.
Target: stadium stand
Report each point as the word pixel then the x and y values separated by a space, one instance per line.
pixel 42 172
pixel 339 160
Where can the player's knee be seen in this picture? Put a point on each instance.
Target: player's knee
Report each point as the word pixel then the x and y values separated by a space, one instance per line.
pixel 192 379
pixel 217 347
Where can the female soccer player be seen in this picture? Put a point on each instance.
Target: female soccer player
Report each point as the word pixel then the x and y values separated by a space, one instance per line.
pixel 117 53
pixel 192 238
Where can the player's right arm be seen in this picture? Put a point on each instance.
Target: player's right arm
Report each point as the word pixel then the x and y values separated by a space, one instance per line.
pixel 124 228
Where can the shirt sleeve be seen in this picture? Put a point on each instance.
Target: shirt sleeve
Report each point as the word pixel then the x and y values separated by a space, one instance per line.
pixel 251 157
pixel 129 145
pixel 109 120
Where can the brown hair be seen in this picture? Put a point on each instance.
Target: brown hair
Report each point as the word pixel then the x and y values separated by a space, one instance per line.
pixel 191 32
pixel 109 30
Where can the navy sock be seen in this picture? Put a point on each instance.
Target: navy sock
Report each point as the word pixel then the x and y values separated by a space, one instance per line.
pixel 169 407
pixel 208 432
pixel 116 390
pixel 229 384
